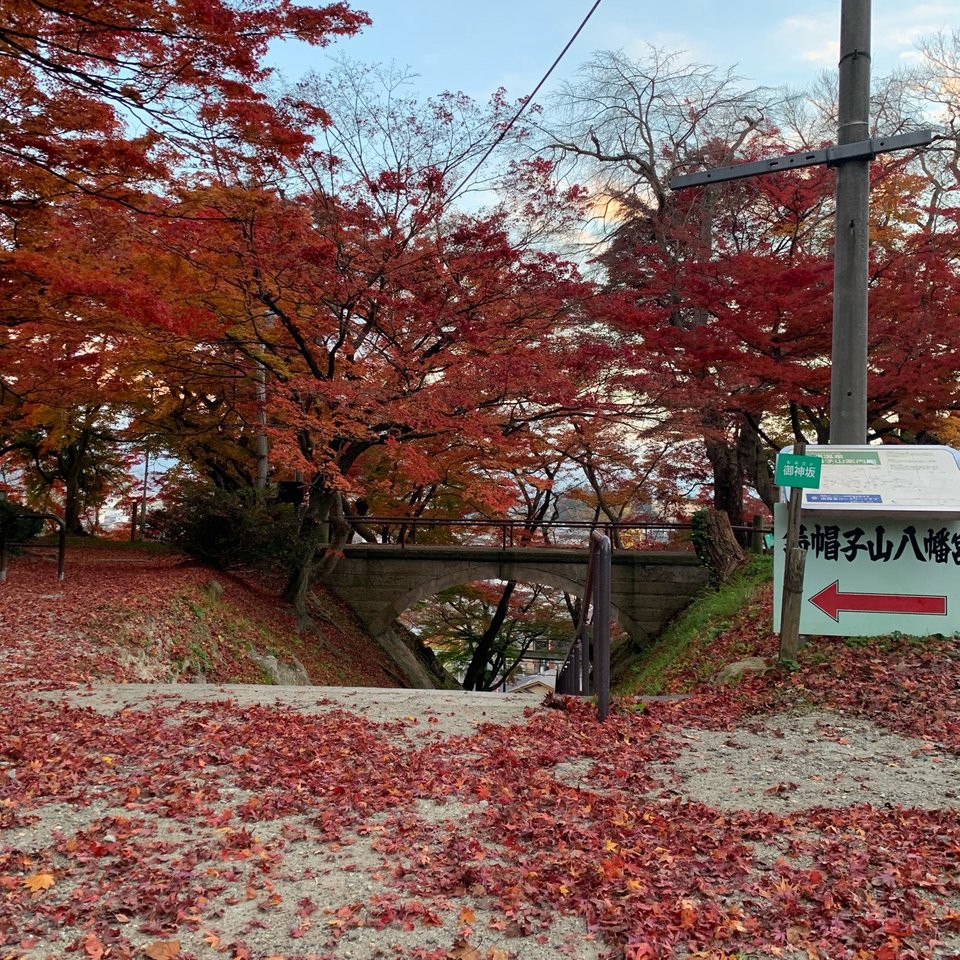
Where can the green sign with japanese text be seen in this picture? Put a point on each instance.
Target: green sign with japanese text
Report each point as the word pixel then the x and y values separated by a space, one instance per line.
pixel 794 470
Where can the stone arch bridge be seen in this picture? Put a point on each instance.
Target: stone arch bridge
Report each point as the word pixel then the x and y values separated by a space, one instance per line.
pixel 379 582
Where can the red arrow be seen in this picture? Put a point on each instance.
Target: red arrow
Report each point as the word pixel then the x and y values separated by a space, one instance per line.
pixel 831 601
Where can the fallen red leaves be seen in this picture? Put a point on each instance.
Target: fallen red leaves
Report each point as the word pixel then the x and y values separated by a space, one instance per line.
pixel 648 870
pixel 162 826
pixel 126 615
pixel 907 684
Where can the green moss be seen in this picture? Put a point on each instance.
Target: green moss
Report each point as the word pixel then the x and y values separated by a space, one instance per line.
pixel 707 617
pixel 266 678
pixel 200 655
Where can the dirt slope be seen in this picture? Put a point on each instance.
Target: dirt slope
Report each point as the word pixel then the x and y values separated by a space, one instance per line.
pixel 128 614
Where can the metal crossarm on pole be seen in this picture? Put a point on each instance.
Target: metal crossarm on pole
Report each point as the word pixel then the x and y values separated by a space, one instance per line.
pixel 829 156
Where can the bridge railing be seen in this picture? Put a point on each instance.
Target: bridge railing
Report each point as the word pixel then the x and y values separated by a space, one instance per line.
pixel 518 533
pixel 645 535
pixel 586 668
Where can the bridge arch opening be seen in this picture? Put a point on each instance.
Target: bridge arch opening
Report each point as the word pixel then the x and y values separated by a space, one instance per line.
pixel 460 577
pixel 533 637
pixel 381 582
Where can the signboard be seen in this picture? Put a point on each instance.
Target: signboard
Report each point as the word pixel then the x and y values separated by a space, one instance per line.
pixel 794 470
pixel 901 480
pixel 867 576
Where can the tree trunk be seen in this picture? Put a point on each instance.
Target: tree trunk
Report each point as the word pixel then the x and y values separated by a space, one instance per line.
pixel 313 534
pixel 476 672
pixel 72 498
pixel 724 553
pixel 324 530
pixel 756 465
pixel 71 508
pixel 71 471
pixel 339 534
pixel 727 478
pixel 496 678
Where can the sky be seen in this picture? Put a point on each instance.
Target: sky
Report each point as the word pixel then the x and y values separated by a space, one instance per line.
pixel 476 46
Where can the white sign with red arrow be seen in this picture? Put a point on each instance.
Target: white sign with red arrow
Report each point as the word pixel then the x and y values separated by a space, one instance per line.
pixel 831 600
pixel 869 576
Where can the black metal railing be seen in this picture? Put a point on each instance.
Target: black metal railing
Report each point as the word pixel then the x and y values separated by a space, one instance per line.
pixel 518 533
pixel 549 533
pixel 6 543
pixel 586 668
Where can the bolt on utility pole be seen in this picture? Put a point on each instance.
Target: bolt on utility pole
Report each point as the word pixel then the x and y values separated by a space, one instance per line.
pixel 851 156
pixel 848 377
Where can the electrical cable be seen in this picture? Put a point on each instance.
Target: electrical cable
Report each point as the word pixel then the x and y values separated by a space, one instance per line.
pixel 526 103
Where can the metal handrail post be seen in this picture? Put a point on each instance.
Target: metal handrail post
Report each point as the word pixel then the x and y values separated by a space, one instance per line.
pixel 61 550
pixel 601 624
pixel 585 660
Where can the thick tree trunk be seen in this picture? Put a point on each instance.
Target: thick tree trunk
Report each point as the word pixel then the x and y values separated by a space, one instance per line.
pixel 476 670
pixel 71 508
pixel 72 502
pixel 324 532
pixel 727 478
pixel 756 465
pixel 71 471
pixel 313 536
pixel 724 553
pixel 744 460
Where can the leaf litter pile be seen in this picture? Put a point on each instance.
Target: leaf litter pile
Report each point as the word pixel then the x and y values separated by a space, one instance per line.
pixel 685 829
pixel 123 614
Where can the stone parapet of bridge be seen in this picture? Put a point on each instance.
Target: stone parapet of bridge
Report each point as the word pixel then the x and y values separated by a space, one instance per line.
pixel 380 582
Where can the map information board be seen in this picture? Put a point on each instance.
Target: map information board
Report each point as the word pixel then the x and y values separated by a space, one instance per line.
pixel 890 480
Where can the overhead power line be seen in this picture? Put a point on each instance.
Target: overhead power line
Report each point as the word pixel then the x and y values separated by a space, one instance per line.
pixel 526 103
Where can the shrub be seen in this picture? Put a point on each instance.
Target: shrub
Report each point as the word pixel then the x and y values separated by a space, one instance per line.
pixel 19 529
pixel 227 528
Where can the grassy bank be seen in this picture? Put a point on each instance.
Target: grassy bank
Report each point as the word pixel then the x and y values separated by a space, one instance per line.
pixel 682 657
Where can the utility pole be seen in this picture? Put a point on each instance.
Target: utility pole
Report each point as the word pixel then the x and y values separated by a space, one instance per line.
pixel 143 495
pixel 263 446
pixel 848 377
pixel 851 156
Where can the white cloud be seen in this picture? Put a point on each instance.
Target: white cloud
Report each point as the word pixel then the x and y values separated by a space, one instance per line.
pixel 636 42
pixel 815 37
pixel 897 29
pixel 810 39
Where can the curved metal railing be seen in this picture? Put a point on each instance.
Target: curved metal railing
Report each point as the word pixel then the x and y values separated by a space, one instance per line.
pixel 5 542
pixel 586 668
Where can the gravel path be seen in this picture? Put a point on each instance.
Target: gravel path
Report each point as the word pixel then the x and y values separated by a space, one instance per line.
pixel 781 764
pixel 813 760
pixel 430 713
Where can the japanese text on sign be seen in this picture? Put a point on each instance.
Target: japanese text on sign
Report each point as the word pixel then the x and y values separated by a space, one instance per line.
pixel 833 542
pixel 789 470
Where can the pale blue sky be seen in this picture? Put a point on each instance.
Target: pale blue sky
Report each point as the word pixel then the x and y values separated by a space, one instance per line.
pixel 477 46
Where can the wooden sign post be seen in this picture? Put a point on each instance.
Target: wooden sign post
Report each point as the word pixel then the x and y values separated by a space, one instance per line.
pixel 796 472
